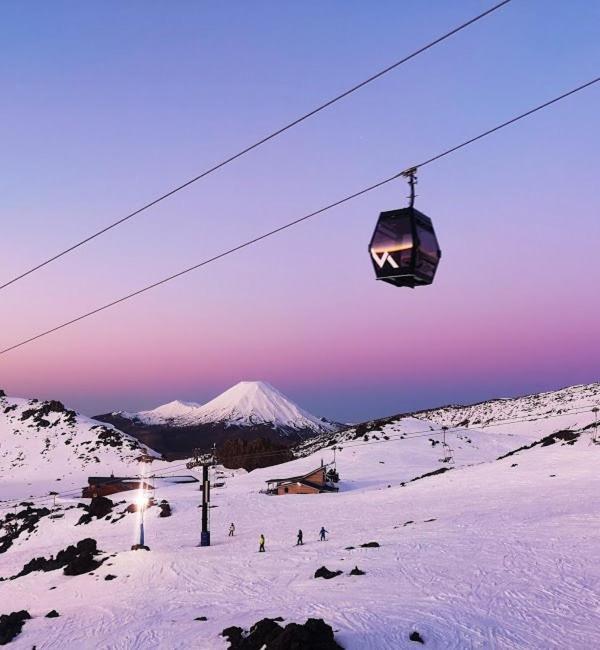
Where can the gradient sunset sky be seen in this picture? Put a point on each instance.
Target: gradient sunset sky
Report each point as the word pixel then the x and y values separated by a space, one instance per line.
pixel 107 105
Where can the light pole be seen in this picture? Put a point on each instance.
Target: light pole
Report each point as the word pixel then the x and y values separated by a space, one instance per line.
pixel 142 502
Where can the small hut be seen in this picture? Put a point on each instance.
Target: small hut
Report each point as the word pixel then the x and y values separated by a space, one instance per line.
pixel 102 486
pixel 313 482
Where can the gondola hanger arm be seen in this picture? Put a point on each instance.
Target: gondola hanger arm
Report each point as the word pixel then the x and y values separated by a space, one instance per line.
pixel 411 174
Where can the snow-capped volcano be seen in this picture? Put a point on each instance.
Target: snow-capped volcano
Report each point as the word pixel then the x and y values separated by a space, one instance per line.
pixel 247 404
pixel 177 413
pixel 246 411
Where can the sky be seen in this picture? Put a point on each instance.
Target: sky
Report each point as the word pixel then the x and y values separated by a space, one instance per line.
pixel 107 105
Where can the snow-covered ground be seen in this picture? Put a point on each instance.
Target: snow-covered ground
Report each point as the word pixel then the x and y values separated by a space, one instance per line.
pixel 493 554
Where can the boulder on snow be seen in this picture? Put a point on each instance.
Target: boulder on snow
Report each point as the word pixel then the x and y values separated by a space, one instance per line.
pixel 52 614
pixel 11 625
pixel 98 507
pixel 357 572
pixel 324 572
pixel 83 563
pixel 75 560
pixel 315 634
pixel 165 508
pixel 370 545
pixel 415 636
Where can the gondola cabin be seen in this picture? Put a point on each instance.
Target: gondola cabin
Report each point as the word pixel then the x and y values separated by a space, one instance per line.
pixel 404 249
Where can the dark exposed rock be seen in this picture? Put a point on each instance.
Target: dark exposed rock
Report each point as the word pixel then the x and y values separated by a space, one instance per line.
pixel 315 634
pixel 24 521
pixel 83 563
pixel 201 618
pixel 357 572
pixel 39 413
pixel 415 636
pixel 435 472
pixel 165 508
pixel 234 635
pixel 140 547
pixel 74 559
pixel 349 548
pixel 109 576
pixel 98 507
pixel 11 625
pixel 567 437
pixel 370 545
pixel 324 572
pixel 52 614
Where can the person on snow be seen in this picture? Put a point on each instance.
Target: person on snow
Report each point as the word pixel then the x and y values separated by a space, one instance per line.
pixel 231 529
pixel 299 541
pixel 261 542
pixel 322 534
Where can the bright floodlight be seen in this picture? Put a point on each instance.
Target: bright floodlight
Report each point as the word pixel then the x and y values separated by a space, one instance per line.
pixel 141 501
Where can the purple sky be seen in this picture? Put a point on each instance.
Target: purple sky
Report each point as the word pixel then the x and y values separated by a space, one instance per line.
pixel 107 105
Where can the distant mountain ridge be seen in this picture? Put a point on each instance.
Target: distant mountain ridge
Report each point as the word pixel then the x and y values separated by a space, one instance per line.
pixel 248 410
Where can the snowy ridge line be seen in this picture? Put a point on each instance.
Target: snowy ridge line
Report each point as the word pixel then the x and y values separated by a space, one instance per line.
pixel 390 437
pixel 396 437
pixel 456 429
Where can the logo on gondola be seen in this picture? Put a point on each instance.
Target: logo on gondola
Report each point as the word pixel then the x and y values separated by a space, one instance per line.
pixel 385 257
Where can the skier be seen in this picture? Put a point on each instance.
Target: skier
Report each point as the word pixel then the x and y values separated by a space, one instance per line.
pixel 299 541
pixel 261 547
pixel 231 529
pixel 322 534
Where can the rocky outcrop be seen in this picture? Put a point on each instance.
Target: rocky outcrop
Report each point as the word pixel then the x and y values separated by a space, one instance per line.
pixel 11 625
pixel 75 560
pixel 315 634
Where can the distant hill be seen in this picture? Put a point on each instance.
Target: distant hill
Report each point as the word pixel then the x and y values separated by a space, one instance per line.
pixel 46 443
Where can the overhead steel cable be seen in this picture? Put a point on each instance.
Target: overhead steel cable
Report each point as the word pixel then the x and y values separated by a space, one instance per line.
pixel 257 144
pixel 295 222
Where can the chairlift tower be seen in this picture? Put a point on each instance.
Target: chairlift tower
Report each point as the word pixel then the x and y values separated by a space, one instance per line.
pixel 200 459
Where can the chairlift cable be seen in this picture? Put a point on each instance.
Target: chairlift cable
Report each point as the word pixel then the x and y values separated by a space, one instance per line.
pixel 257 144
pixel 295 222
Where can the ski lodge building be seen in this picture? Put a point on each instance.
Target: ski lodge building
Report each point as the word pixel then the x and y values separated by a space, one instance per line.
pixel 314 482
pixel 102 486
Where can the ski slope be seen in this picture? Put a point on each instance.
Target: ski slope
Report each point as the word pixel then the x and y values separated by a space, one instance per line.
pixel 498 554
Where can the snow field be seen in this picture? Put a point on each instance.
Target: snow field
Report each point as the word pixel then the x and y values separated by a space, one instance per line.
pixel 509 560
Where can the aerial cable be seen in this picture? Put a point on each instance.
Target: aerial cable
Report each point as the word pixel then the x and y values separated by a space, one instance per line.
pixel 295 222
pixel 257 144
